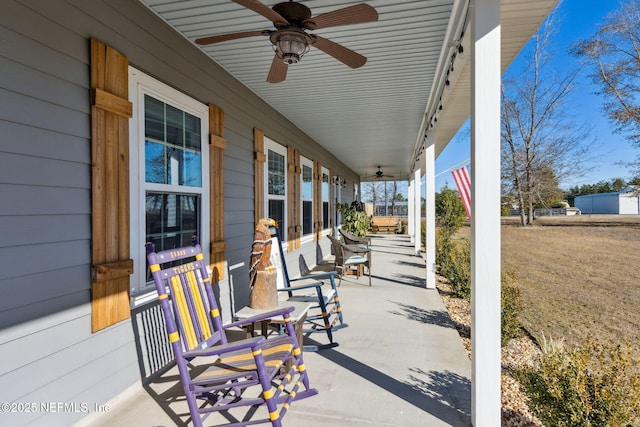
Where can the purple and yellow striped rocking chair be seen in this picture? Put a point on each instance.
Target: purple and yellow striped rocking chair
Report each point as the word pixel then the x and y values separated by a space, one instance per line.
pixel 253 372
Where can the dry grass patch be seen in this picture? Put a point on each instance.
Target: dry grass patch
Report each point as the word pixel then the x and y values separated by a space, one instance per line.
pixel 577 280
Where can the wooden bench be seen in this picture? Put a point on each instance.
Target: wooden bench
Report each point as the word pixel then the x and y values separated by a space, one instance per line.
pixel 382 224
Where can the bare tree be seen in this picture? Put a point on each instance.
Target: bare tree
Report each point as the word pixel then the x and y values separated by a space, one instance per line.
pixel 540 144
pixel 372 192
pixel 614 54
pixel 394 194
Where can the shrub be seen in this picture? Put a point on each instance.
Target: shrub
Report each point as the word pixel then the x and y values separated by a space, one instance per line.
pixel 450 213
pixel 454 259
pixel 593 385
pixel 456 266
pixel 511 307
pixel 443 247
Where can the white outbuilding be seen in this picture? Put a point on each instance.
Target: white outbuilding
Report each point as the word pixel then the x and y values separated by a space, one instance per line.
pixel 624 202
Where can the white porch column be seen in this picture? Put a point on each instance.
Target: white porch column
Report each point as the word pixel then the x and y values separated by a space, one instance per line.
pixel 485 212
pixel 410 216
pixel 430 211
pixel 417 211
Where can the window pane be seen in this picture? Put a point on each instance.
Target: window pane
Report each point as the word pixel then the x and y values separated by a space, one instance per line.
pixel 325 214
pixel 276 212
pixel 155 165
pixel 307 182
pixel 175 126
pixel 172 157
pixel 276 173
pixel 325 187
pixel 153 118
pixel 307 217
pixel 171 220
pixel 192 173
pixel 192 132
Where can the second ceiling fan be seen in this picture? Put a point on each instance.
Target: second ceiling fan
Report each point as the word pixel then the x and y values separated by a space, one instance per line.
pixel 291 40
pixel 379 174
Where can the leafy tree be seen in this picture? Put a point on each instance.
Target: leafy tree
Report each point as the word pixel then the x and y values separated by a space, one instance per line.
pixel 450 212
pixel 613 52
pixel 540 145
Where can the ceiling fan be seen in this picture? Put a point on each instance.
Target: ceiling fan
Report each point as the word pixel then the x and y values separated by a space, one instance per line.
pixel 379 174
pixel 291 41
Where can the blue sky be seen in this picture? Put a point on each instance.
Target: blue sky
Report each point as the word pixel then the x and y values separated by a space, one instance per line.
pixel 577 19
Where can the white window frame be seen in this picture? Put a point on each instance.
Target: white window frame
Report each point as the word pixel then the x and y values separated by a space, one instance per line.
pixel 305 238
pixel 270 144
pixel 326 228
pixel 141 84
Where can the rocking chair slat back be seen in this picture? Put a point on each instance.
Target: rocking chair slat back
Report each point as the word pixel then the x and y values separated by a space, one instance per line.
pixel 192 301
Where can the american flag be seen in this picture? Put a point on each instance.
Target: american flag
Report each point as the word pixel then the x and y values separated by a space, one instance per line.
pixel 461 178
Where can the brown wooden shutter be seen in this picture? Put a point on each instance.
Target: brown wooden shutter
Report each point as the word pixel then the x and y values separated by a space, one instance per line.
pixel 317 200
pixel 293 190
pixel 217 145
pixel 258 174
pixel 110 257
pixel 330 197
pixel 298 198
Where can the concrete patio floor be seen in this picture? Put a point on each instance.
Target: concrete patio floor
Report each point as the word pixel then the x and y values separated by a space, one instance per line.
pixel 399 363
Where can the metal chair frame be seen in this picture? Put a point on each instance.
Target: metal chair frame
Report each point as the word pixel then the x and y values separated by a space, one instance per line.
pixel 328 310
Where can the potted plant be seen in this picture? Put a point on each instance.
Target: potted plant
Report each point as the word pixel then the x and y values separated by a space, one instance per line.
pixel 354 220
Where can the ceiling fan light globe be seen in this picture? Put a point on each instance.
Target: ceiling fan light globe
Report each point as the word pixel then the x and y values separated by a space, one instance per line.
pixel 290 46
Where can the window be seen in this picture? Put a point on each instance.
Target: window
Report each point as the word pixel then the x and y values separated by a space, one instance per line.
pixel 306 193
pixel 169 167
pixel 325 199
pixel 276 182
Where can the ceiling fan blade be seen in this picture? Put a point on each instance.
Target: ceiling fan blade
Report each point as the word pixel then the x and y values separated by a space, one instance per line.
pixel 262 9
pixel 356 14
pixel 225 37
pixel 278 70
pixel 341 53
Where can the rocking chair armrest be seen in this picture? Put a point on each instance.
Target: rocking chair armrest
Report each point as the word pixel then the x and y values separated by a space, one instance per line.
pixel 224 348
pixel 323 275
pixel 301 287
pixel 260 317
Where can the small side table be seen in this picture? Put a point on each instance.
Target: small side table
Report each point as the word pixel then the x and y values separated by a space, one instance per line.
pixel 298 316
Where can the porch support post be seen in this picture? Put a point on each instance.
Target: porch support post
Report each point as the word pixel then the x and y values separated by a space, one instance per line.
pixel 417 211
pixel 485 212
pixel 410 216
pixel 430 211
